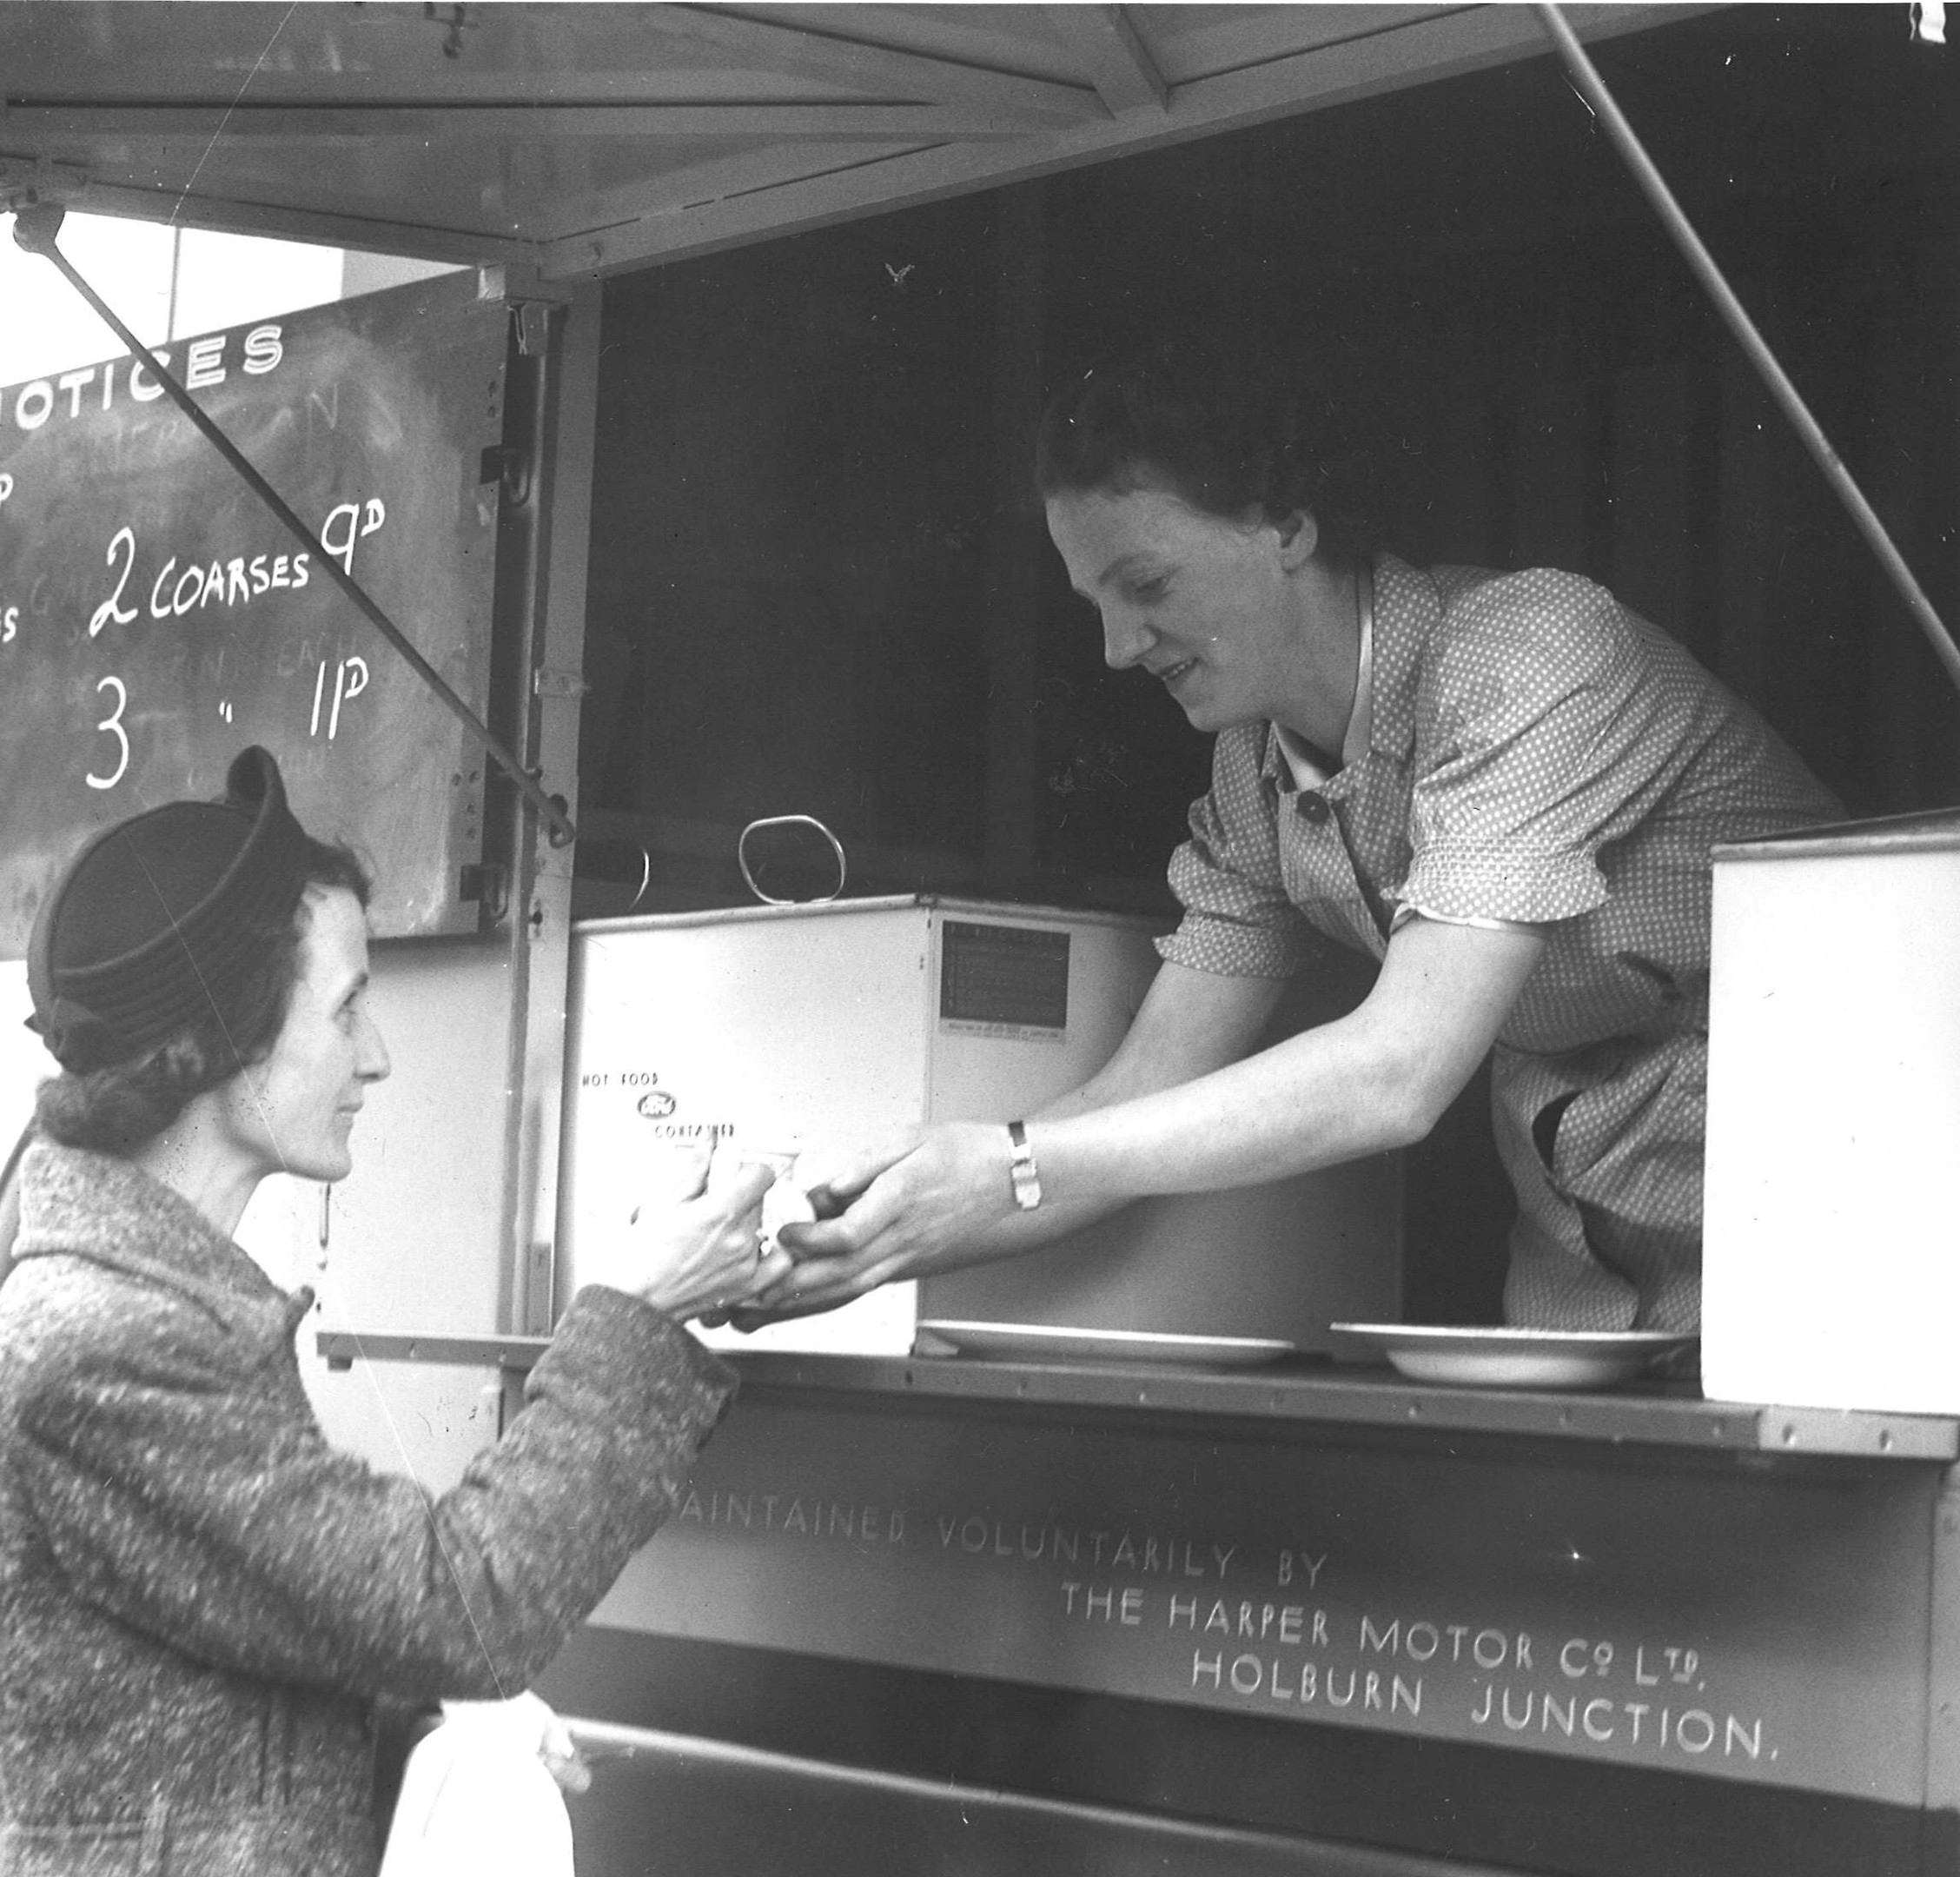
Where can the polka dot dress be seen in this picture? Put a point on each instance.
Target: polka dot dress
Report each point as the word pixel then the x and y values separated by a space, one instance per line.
pixel 1539 753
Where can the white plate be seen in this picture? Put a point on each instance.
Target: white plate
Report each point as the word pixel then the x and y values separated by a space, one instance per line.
pixel 1512 1358
pixel 1045 1343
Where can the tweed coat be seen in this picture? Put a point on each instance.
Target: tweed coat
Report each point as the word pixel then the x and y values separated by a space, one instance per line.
pixel 205 1611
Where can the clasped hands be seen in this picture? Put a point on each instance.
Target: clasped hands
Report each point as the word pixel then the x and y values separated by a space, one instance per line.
pixel 728 1235
pixel 696 1244
pixel 898 1207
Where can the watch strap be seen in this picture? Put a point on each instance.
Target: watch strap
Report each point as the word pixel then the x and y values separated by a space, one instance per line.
pixel 1021 1168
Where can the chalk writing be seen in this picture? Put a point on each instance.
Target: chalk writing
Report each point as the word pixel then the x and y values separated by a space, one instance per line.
pixel 206 363
pixel 229 583
pixel 112 608
pixel 112 725
pixel 235 581
pixel 348 522
pixel 155 616
pixel 350 680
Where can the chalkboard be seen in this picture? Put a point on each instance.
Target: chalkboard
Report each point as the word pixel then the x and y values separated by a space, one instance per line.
pixel 156 618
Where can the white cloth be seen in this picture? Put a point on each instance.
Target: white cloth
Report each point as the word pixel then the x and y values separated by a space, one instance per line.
pixel 478 1799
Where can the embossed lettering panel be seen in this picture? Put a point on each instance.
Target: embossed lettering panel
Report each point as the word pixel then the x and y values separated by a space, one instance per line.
pixel 1765 1625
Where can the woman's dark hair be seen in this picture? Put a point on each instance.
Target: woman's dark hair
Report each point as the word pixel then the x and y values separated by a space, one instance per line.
pixel 116 1108
pixel 1217 423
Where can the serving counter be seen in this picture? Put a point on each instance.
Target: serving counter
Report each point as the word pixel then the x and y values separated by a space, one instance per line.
pixel 952 1615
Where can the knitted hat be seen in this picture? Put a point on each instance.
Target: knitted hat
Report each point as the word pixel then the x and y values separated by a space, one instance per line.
pixel 148 926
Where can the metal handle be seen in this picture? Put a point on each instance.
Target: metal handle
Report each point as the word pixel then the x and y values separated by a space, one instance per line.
pixel 789 820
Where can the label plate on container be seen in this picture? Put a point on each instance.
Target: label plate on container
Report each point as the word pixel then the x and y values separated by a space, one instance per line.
pixel 1003 981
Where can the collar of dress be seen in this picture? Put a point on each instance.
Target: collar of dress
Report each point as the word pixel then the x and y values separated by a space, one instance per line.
pixel 1378 719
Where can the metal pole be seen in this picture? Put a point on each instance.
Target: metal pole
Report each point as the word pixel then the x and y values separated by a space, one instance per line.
pixel 1586 80
pixel 35 228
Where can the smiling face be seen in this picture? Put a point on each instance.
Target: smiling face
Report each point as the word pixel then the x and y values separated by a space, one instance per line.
pixel 1209 605
pixel 294 1112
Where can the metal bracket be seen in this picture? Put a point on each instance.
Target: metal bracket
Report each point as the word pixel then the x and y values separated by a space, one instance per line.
pixel 1837 1430
pixel 512 281
pixel 24 181
pixel 532 300
pixel 534 326
pixel 546 683
pixel 488 885
pixel 504 463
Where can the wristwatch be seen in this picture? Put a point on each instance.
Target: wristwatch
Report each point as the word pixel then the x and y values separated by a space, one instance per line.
pixel 1021 1168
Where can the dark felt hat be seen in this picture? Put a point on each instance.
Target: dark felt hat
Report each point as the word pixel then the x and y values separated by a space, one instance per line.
pixel 148 926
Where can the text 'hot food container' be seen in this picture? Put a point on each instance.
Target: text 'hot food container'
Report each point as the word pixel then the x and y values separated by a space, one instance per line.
pixel 1832 1234
pixel 833 1022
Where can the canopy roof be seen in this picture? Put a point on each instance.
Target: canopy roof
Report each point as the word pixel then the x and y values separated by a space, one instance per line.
pixel 574 138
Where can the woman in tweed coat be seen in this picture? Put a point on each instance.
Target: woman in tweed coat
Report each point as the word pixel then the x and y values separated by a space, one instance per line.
pixel 206 1612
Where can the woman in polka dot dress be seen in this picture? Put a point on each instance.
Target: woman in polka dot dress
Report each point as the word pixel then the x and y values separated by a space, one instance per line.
pixel 1504 787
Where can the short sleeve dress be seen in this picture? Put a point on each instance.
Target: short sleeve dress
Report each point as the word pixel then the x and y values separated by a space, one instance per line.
pixel 1535 752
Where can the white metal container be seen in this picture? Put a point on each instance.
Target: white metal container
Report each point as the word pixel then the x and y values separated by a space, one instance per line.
pixel 1831 1237
pixel 814 1025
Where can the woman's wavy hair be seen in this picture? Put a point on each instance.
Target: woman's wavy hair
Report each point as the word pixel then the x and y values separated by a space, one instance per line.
pixel 116 1108
pixel 1222 424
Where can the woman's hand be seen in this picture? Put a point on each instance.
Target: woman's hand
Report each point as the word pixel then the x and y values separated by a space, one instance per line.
pixel 951 1187
pixel 697 1251
pixel 560 1754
